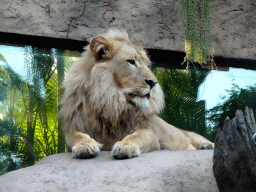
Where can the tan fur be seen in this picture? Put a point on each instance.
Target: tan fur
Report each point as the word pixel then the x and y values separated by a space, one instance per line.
pixel 108 100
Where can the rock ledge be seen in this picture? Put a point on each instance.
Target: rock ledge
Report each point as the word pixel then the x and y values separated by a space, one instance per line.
pixel 154 171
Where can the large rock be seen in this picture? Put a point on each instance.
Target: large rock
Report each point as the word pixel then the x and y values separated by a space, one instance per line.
pixel 155 171
pixel 153 23
pixel 234 160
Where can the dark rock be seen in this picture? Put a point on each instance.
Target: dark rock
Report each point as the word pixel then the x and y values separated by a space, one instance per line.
pixel 234 159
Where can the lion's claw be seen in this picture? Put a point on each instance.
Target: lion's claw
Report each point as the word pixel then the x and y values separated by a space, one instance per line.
pixel 87 150
pixel 121 151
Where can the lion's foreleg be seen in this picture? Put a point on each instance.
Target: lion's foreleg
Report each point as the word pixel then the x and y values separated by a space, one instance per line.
pixel 82 145
pixel 132 145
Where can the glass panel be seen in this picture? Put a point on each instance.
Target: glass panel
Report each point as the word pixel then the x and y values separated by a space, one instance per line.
pixel 200 101
pixel 30 91
pixel 29 96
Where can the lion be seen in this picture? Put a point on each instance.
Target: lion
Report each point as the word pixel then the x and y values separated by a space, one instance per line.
pixel 112 101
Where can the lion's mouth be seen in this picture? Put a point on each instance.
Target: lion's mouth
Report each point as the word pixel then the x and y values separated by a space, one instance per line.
pixel 138 100
pixel 136 95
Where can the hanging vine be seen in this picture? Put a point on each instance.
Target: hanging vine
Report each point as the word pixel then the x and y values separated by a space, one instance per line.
pixel 197 21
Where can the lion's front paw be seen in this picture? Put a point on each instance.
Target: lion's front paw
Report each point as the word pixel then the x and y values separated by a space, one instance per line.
pixel 121 151
pixel 86 150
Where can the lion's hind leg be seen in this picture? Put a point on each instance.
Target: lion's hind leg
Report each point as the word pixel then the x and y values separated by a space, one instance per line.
pixel 207 146
pixel 82 145
pixel 198 141
pixel 190 147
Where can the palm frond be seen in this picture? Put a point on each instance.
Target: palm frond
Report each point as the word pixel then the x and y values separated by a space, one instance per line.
pixel 181 93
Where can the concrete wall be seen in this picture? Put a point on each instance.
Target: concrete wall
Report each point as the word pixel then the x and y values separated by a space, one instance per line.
pixel 151 23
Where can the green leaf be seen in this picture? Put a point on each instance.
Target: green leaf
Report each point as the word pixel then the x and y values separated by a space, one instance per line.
pixel 2 59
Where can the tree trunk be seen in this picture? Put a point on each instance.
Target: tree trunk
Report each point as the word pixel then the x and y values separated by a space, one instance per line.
pixel 30 130
pixel 234 160
pixel 60 72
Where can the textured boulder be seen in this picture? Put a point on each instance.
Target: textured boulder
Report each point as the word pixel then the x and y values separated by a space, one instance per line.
pixel 234 160
pixel 154 171
pixel 152 23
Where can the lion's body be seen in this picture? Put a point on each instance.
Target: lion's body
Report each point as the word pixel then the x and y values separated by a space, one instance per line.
pixel 112 98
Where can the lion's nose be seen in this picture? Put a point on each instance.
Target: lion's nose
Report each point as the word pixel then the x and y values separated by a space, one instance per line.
pixel 151 83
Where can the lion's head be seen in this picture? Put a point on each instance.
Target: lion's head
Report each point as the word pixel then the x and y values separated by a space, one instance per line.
pixel 121 77
pixel 112 79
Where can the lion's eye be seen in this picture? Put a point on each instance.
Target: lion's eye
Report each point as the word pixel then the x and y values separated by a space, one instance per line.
pixel 132 62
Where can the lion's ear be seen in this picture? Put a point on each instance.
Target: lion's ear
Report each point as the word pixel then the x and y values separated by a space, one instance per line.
pixel 102 48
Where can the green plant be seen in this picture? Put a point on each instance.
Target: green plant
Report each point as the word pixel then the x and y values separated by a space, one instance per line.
pixel 197 22
pixel 30 107
pixel 238 98
pixel 182 107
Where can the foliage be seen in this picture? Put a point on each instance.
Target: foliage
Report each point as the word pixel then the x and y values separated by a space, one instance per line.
pixel 197 21
pixel 10 137
pixel 2 59
pixel 30 109
pixel 181 94
pixel 238 98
